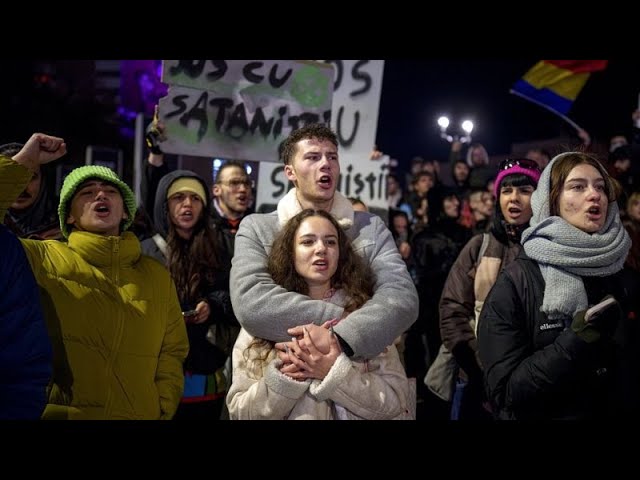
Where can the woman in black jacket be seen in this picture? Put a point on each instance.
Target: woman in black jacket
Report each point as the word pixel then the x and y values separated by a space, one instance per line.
pixel 542 357
pixel 191 250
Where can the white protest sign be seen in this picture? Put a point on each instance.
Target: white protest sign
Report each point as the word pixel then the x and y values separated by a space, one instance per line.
pixel 354 118
pixel 241 109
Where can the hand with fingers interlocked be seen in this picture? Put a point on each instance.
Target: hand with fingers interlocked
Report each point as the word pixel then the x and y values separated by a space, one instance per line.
pixel 309 354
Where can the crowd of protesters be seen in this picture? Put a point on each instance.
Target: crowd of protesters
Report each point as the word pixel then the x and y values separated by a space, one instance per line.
pixel 477 290
pixel 456 237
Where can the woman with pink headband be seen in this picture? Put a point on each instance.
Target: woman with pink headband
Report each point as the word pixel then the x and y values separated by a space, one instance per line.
pixel 470 279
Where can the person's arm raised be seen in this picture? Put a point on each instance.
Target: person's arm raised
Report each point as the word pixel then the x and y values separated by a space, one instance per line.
pixel 40 149
pixel 16 172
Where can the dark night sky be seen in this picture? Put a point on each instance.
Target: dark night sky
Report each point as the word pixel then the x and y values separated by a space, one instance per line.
pixel 416 92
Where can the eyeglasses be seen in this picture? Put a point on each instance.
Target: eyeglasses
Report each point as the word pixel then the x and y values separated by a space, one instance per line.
pixel 235 184
pixel 520 162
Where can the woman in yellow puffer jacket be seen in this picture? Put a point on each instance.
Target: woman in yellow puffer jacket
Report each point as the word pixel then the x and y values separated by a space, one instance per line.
pixel 113 315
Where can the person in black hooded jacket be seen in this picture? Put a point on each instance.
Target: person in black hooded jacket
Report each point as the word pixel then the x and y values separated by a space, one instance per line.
pixel 190 248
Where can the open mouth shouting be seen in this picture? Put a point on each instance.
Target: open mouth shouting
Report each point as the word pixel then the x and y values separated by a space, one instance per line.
pixel 514 212
pixel 325 182
pixel 186 218
pixel 102 209
pixel 321 265
pixel 594 213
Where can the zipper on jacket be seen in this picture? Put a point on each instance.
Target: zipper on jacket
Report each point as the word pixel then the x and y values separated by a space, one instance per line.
pixel 115 261
pixel 115 348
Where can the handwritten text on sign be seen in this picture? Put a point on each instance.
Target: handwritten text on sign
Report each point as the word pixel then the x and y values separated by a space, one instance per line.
pixel 241 109
pixel 356 97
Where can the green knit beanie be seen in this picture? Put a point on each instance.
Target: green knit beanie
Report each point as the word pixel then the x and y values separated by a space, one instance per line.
pixel 80 175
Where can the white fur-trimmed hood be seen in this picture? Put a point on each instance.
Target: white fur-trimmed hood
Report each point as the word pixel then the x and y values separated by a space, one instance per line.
pixel 342 210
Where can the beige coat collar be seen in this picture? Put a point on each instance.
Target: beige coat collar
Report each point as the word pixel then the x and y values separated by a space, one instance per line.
pixel 341 209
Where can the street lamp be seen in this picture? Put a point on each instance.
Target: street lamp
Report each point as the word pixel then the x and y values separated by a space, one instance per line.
pixel 466 125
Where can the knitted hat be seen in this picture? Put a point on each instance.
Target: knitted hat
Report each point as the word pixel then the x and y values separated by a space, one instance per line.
pixel 187 184
pixel 524 166
pixel 80 175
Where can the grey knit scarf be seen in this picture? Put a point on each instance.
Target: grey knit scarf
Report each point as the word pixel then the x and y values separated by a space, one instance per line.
pixel 566 253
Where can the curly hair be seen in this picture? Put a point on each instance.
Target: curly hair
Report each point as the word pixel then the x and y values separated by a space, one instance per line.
pixel 353 275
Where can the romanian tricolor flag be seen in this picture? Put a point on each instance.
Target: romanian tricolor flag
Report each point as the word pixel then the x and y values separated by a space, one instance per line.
pixel 555 84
